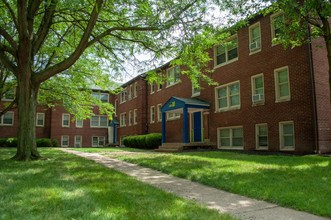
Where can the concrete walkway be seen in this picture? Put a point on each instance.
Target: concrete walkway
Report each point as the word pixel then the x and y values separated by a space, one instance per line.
pixel 236 205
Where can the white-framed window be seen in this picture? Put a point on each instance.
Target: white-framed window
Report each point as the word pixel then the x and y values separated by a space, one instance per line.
pixel 78 141
pixel 282 84
pixel 99 121
pixel 64 141
pixel 116 107
pixel 228 96
pixel 159 86
pixel 226 53
pixel 257 89
pixel 152 114
pixel 261 132
pixel 277 24
pixel 65 120
pixel 79 123
pixel 255 38
pixel 123 96
pixel 152 85
pixel 135 116
pixel 123 119
pixel 231 137
pixel 130 92
pixel 130 118
pixel 40 119
pixel 159 112
pixel 135 90
pixel 98 141
pixel 7 119
pixel 286 135
pixel 104 97
pixel 173 76
pixel 196 88
pixel 173 116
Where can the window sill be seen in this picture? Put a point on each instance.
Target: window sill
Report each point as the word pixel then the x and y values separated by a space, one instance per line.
pixel 255 51
pixel 262 148
pixel 172 119
pixel 195 95
pixel 168 86
pixel 287 148
pixel 40 126
pixel 228 109
pixel 257 104
pixel 283 100
pixel 226 63
pixel 98 126
pixel 231 148
pixel 5 125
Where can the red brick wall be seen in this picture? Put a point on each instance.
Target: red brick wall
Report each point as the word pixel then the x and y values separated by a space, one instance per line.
pixel 86 131
pixel 41 132
pixel 321 78
pixel 298 109
pixel 138 103
pixel 9 131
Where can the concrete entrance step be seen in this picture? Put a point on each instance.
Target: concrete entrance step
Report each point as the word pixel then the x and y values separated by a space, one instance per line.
pixel 170 147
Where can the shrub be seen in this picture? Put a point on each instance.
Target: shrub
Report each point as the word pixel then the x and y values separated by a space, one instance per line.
pixel 148 141
pixel 153 140
pixel 55 143
pixel 3 142
pixel 8 142
pixel 44 142
pixel 11 142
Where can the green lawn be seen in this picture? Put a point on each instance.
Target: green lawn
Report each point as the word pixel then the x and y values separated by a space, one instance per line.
pixel 70 187
pixel 300 182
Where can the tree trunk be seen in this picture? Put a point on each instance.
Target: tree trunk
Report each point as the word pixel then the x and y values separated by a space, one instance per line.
pixel 27 98
pixel 27 92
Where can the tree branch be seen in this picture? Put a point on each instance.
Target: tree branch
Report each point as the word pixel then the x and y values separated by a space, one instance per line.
pixel 7 63
pixel 9 107
pixel 10 50
pixel 9 38
pixel 33 6
pixel 11 11
pixel 109 31
pixel 44 27
pixel 51 71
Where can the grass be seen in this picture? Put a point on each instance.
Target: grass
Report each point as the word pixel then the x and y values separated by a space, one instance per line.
pixel 70 187
pixel 299 182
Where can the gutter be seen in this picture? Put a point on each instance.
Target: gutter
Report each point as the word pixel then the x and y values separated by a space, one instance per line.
pixel 312 79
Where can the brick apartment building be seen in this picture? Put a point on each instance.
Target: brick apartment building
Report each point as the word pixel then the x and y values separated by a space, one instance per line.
pixel 268 98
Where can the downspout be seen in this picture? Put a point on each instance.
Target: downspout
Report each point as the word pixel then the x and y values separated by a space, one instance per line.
pixel 146 109
pixel 312 79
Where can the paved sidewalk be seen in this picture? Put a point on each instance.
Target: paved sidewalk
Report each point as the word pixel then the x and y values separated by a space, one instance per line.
pixel 236 205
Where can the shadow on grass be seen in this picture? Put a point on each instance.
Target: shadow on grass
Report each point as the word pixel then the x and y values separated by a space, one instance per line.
pixel 300 182
pixel 68 187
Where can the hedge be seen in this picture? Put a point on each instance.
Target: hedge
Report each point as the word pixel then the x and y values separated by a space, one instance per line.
pixel 147 141
pixel 41 142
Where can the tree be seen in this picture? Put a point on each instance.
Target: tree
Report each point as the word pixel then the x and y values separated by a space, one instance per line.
pixel 42 40
pixel 304 19
pixel 312 14
pixel 7 90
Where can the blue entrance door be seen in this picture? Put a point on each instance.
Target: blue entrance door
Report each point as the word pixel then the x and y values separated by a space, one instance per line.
pixel 197 127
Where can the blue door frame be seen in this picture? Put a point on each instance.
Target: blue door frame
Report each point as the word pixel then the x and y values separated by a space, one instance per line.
pixel 197 127
pixel 176 104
